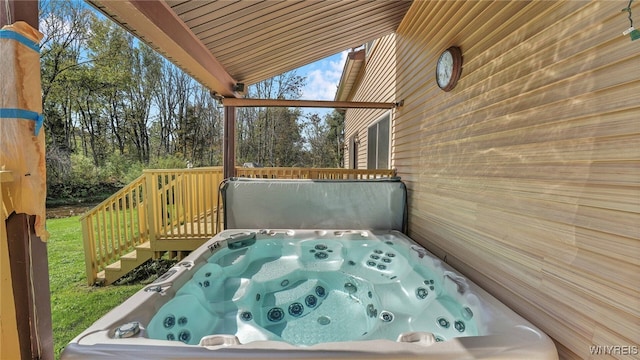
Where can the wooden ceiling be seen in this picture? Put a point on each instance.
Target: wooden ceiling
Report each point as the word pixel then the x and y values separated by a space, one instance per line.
pixel 221 43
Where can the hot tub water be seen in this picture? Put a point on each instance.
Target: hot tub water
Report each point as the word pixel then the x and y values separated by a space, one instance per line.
pixel 332 288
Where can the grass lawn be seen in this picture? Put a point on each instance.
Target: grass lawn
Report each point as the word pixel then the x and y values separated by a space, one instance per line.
pixel 74 304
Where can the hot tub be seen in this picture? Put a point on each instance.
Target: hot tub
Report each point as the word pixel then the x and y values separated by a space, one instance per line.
pixel 311 294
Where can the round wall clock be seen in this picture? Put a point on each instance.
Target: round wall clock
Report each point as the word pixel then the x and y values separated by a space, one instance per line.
pixel 449 68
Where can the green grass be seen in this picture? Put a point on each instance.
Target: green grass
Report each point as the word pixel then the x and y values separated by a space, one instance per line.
pixel 74 304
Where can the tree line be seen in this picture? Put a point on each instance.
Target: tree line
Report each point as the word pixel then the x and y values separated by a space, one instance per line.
pixel 113 106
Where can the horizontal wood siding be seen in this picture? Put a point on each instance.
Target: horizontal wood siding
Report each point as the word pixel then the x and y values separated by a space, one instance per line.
pixel 526 177
pixel 378 83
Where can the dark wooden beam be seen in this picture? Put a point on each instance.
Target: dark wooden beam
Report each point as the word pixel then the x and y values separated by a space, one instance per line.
pixel 228 142
pixel 27 253
pixel 19 10
pixel 243 102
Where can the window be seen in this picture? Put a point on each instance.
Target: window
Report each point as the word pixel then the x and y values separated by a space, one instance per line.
pixel 379 143
pixel 353 151
pixel 368 46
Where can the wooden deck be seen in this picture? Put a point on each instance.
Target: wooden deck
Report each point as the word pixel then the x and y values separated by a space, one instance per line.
pixel 170 212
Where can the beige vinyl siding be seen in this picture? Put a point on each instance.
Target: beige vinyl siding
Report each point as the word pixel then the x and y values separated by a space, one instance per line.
pixel 526 177
pixel 377 83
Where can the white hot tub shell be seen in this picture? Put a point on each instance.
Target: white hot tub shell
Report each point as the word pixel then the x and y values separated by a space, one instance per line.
pixel 501 333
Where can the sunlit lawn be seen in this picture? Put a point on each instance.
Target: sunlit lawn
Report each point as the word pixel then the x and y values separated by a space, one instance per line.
pixel 74 304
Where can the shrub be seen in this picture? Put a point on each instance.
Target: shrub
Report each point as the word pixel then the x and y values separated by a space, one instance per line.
pixel 168 162
pixel 83 172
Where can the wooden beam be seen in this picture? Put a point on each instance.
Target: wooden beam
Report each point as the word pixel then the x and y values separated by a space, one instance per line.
pixel 244 102
pixel 228 142
pixel 155 22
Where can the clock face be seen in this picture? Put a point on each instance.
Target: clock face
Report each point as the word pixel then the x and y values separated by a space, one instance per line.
pixel 444 69
pixel 449 68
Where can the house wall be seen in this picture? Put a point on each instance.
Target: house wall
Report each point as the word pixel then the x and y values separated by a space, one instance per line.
pixel 525 177
pixel 377 83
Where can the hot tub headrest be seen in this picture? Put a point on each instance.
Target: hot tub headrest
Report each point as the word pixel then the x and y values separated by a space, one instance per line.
pixel 378 204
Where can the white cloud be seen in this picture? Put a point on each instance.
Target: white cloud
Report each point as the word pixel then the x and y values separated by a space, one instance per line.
pixel 323 77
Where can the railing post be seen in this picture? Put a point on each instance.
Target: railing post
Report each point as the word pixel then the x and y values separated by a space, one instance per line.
pixel 149 201
pixel 89 251
pixel 139 200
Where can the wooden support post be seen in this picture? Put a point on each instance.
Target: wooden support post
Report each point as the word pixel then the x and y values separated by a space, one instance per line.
pixel 9 342
pixel 229 147
pixel 30 278
pixel 27 253
pixel 19 10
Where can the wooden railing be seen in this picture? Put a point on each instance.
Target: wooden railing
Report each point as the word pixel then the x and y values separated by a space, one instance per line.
pixel 115 227
pixel 174 210
pixel 184 203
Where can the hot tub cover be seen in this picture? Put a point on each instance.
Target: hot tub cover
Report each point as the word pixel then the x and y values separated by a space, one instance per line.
pixel 378 204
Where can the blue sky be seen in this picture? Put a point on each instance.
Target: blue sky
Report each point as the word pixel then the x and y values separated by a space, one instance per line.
pixel 323 77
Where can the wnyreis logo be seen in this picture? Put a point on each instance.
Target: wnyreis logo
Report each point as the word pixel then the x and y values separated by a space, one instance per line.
pixel 613 349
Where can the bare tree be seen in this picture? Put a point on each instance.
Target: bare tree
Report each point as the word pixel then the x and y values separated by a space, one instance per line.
pixel 265 133
pixel 64 25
